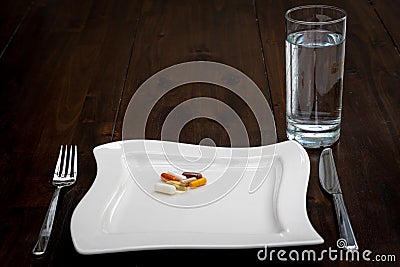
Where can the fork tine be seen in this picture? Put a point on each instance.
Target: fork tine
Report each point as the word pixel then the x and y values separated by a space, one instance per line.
pixel 65 165
pixel 75 161
pixel 57 171
pixel 71 161
pixel 69 171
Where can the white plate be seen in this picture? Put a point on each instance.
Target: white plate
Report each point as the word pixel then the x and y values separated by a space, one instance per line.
pixel 119 214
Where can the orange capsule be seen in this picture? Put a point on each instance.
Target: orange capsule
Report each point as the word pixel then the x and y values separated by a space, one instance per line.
pixel 198 182
pixel 170 177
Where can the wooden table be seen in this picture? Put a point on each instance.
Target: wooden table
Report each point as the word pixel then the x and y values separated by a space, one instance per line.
pixel 68 69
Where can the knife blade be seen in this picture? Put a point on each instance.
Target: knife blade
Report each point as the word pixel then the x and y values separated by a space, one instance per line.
pixel 329 180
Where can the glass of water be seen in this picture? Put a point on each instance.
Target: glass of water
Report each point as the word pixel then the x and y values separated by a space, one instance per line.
pixel 315 49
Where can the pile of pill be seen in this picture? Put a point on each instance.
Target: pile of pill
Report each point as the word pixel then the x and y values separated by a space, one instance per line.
pixel 173 182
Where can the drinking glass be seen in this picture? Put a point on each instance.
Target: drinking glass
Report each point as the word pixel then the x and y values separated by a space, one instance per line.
pixel 315 51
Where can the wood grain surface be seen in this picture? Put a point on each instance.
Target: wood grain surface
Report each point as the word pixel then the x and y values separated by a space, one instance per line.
pixel 69 68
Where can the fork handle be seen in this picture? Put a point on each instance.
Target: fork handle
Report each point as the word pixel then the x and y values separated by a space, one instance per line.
pixel 45 231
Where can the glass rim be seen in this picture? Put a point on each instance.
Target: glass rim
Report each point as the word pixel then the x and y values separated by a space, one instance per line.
pixel 316 22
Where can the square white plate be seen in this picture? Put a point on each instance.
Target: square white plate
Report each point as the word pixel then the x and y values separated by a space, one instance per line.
pixel 122 213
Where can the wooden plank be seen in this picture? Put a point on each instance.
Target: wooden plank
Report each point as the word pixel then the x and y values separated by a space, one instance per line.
pixel 388 12
pixel 204 30
pixel 12 15
pixel 39 51
pixel 61 83
pixel 367 155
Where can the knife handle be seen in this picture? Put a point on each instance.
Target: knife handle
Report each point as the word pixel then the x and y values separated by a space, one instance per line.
pixel 345 229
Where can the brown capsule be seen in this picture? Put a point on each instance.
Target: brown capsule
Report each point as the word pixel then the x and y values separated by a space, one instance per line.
pixel 197 175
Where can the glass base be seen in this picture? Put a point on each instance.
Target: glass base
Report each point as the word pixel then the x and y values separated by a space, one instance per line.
pixel 313 139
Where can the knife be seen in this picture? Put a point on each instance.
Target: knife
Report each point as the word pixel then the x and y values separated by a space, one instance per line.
pixel 329 180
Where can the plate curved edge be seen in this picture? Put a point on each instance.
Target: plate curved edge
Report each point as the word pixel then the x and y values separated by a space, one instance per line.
pixel 83 231
pixel 296 221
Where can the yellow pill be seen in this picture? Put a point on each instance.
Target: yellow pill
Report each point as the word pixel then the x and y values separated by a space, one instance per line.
pixel 179 186
pixel 173 182
pixel 198 182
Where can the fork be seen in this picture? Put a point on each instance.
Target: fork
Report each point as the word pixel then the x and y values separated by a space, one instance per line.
pixel 64 175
